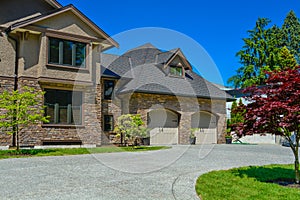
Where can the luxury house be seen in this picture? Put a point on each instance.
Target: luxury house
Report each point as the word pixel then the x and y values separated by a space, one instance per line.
pixel 57 49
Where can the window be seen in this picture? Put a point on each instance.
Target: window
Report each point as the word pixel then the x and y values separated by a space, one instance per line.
pixel 68 53
pixel 63 107
pixel 109 86
pixel 176 71
pixel 108 122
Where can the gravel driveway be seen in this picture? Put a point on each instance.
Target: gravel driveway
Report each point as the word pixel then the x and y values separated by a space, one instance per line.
pixel 165 174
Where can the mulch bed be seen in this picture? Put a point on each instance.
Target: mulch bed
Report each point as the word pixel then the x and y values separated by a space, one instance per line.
pixel 286 183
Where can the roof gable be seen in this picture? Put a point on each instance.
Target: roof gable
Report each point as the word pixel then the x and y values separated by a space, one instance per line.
pixel 49 21
pixel 178 58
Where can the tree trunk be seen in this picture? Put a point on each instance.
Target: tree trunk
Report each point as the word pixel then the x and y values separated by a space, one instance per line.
pixel 297 171
pixel 297 159
pixel 18 141
pixel 14 140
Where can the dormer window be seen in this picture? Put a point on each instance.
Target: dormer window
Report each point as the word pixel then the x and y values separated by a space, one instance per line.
pixel 176 70
pixel 67 53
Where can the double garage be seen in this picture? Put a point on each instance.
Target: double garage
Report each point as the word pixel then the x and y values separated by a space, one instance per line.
pixel 164 127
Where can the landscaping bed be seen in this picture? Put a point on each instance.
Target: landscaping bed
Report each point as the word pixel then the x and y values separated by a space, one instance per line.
pixel 265 182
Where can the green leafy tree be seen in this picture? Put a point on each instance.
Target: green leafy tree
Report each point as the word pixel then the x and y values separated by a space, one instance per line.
pixel 291 34
pixel 130 127
pixel 20 109
pixel 275 108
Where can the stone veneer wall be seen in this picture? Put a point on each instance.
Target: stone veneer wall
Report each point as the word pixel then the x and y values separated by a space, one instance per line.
pixel 6 83
pixel 140 103
pixel 89 132
pixel 110 107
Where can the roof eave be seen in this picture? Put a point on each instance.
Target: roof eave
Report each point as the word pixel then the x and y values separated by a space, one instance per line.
pixel 54 3
pixel 166 93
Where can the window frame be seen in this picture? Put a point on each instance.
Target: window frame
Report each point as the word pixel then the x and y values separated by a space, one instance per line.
pixel 84 66
pixel 110 122
pixel 73 122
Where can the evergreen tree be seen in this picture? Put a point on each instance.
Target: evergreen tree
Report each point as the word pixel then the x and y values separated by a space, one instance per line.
pixel 291 34
pixel 259 54
pixel 237 115
pixel 286 60
pixel 268 49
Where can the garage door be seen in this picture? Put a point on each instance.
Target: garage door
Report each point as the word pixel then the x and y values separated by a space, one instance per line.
pixel 163 125
pixel 205 125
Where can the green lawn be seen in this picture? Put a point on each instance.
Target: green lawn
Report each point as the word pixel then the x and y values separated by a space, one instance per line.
pixel 76 151
pixel 247 183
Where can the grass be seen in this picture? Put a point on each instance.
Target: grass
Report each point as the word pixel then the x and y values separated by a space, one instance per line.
pixel 23 153
pixel 247 183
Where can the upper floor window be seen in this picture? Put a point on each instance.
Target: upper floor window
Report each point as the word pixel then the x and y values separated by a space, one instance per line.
pixel 176 71
pixel 68 53
pixel 109 86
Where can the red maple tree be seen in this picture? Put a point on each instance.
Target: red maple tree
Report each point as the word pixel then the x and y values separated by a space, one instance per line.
pixel 275 108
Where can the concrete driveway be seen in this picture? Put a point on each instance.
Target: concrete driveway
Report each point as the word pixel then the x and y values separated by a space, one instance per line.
pixel 165 174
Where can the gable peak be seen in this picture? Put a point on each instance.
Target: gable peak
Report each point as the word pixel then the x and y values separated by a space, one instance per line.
pixel 145 46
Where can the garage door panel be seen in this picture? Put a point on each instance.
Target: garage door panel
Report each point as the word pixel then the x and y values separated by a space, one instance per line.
pixel 160 136
pixel 164 127
pixel 206 136
pixel 206 123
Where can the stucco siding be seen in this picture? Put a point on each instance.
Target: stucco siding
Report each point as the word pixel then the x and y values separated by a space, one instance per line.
pixel 29 56
pixel 7 56
pixel 69 23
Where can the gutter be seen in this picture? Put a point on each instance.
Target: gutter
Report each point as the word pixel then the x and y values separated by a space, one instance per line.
pixel 16 74
pixel 16 71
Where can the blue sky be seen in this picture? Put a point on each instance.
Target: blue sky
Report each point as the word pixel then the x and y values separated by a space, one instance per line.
pixel 209 32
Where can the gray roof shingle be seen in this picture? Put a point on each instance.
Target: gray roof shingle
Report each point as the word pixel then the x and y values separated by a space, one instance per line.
pixel 143 70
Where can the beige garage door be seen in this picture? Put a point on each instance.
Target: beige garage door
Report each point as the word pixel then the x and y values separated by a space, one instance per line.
pixel 163 125
pixel 205 125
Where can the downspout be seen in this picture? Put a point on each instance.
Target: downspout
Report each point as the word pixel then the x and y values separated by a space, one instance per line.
pixel 16 74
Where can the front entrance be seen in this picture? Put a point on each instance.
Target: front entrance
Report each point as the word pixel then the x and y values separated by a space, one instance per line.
pixel 205 125
pixel 163 125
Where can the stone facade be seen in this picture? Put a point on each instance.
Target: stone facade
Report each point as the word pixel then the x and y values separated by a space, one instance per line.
pixel 185 107
pixel 89 132
pixel 6 83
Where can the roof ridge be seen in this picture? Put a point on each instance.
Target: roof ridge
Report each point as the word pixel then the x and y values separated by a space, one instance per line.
pixel 147 45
